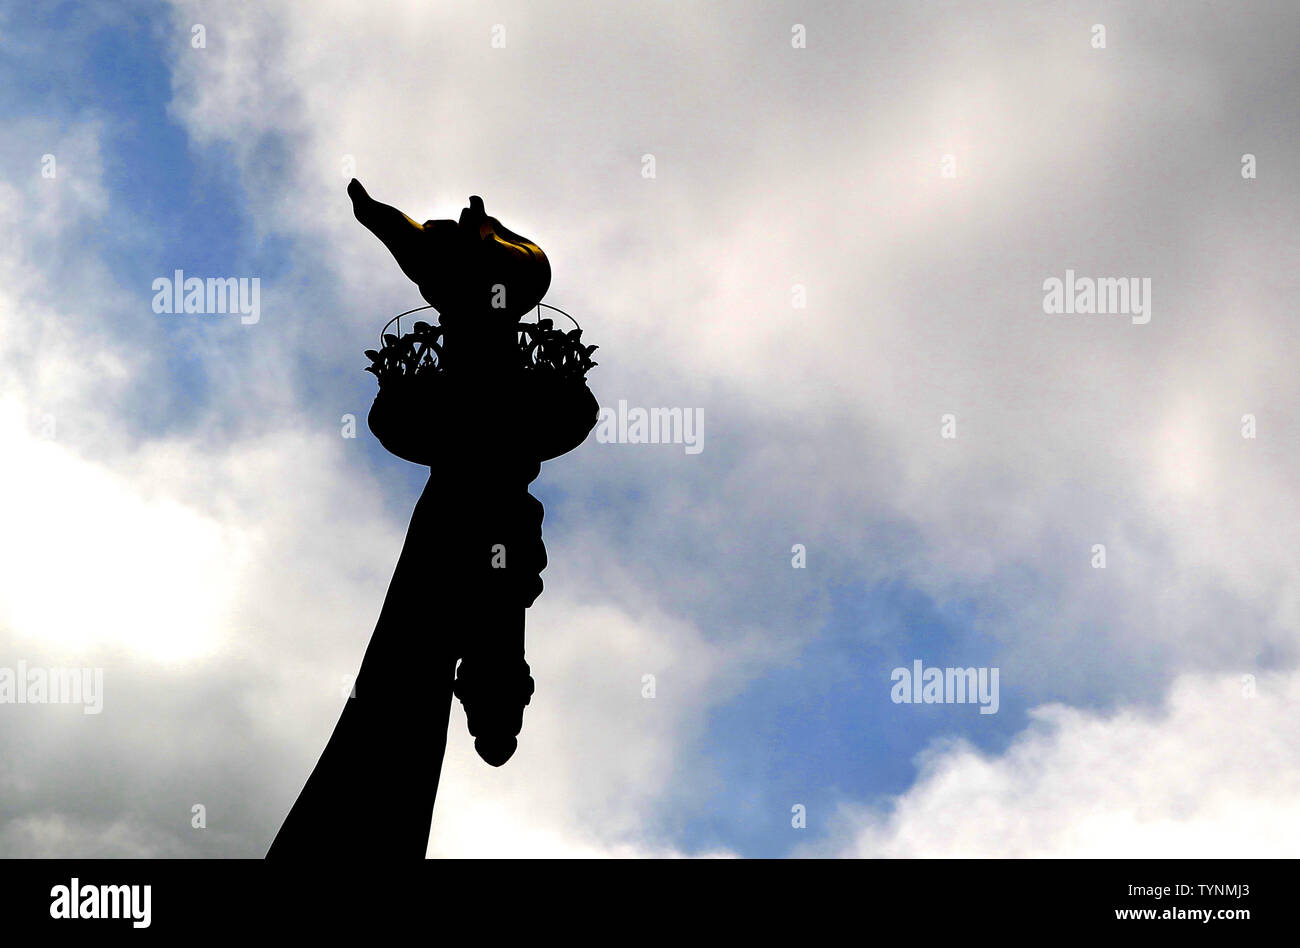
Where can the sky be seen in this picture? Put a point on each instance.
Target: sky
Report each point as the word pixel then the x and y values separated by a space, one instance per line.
pixel 826 228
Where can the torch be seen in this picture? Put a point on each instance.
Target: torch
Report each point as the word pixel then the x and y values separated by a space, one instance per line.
pixel 482 399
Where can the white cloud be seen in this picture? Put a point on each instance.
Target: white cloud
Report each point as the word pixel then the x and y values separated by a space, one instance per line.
pixel 1213 773
pixel 924 294
pixel 775 167
pixel 227 587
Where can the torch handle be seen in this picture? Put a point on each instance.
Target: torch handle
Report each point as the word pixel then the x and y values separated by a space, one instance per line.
pixel 468 569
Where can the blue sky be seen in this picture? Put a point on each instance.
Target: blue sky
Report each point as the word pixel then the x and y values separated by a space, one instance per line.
pixel 777 166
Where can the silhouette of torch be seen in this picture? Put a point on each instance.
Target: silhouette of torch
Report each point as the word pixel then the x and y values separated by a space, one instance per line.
pixel 482 399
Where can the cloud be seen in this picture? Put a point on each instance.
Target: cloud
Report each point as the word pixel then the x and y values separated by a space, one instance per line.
pixel 1213 773
pixel 775 167
pixel 226 586
pixel 924 293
